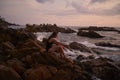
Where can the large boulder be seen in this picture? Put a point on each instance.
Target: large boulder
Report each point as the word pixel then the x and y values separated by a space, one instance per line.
pixel 103 68
pixel 6 47
pixel 95 28
pixel 41 72
pixel 71 72
pixel 90 34
pixel 15 36
pixel 43 58
pixel 17 65
pixel 7 73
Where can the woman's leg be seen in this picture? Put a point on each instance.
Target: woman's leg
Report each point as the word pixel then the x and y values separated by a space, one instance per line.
pixel 58 49
pixel 61 50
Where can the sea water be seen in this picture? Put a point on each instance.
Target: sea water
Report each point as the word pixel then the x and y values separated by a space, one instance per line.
pixel 109 52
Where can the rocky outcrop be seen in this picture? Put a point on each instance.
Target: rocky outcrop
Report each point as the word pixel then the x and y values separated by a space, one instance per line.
pixel 95 28
pixel 90 34
pixel 17 65
pixel 7 73
pixel 41 72
pixel 104 44
pixel 103 68
pixel 47 28
pixel 4 24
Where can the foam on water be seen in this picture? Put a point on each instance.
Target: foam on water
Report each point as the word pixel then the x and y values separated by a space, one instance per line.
pixel 88 44
pixel 75 53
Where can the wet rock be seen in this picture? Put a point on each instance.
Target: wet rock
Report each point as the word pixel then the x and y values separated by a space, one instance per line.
pixel 95 28
pixel 107 44
pixel 80 57
pixel 81 47
pixel 7 73
pixel 90 34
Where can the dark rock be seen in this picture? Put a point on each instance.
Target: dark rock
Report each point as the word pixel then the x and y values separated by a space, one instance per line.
pixel 5 47
pixel 102 68
pixel 49 59
pixel 15 36
pixel 7 73
pixel 80 57
pixel 41 72
pixel 17 65
pixel 95 28
pixel 71 72
pixel 47 28
pixel 90 34
pixel 107 44
pixel 81 47
pixel 4 24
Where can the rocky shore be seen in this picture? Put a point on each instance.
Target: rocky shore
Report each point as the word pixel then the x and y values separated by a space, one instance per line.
pixel 23 57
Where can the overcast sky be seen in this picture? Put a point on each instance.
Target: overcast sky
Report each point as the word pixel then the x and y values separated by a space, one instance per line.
pixel 62 12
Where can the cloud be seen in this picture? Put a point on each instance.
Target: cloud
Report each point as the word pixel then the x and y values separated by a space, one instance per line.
pixel 98 1
pixel 114 11
pixel 83 8
pixel 44 1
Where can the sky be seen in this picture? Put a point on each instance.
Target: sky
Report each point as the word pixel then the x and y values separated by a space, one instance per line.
pixel 62 12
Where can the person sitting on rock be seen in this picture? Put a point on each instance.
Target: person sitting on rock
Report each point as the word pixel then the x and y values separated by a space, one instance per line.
pixel 53 45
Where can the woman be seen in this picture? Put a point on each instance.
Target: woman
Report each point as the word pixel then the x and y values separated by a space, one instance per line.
pixel 53 45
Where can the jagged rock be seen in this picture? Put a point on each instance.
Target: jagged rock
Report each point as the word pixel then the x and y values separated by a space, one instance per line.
pixel 41 72
pixel 15 36
pixel 47 28
pixel 81 47
pixel 80 57
pixel 17 65
pixel 7 73
pixel 49 59
pixel 6 47
pixel 71 72
pixel 90 34
pixel 107 44
pixel 102 68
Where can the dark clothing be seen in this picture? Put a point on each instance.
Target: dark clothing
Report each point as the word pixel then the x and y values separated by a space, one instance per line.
pixel 49 45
